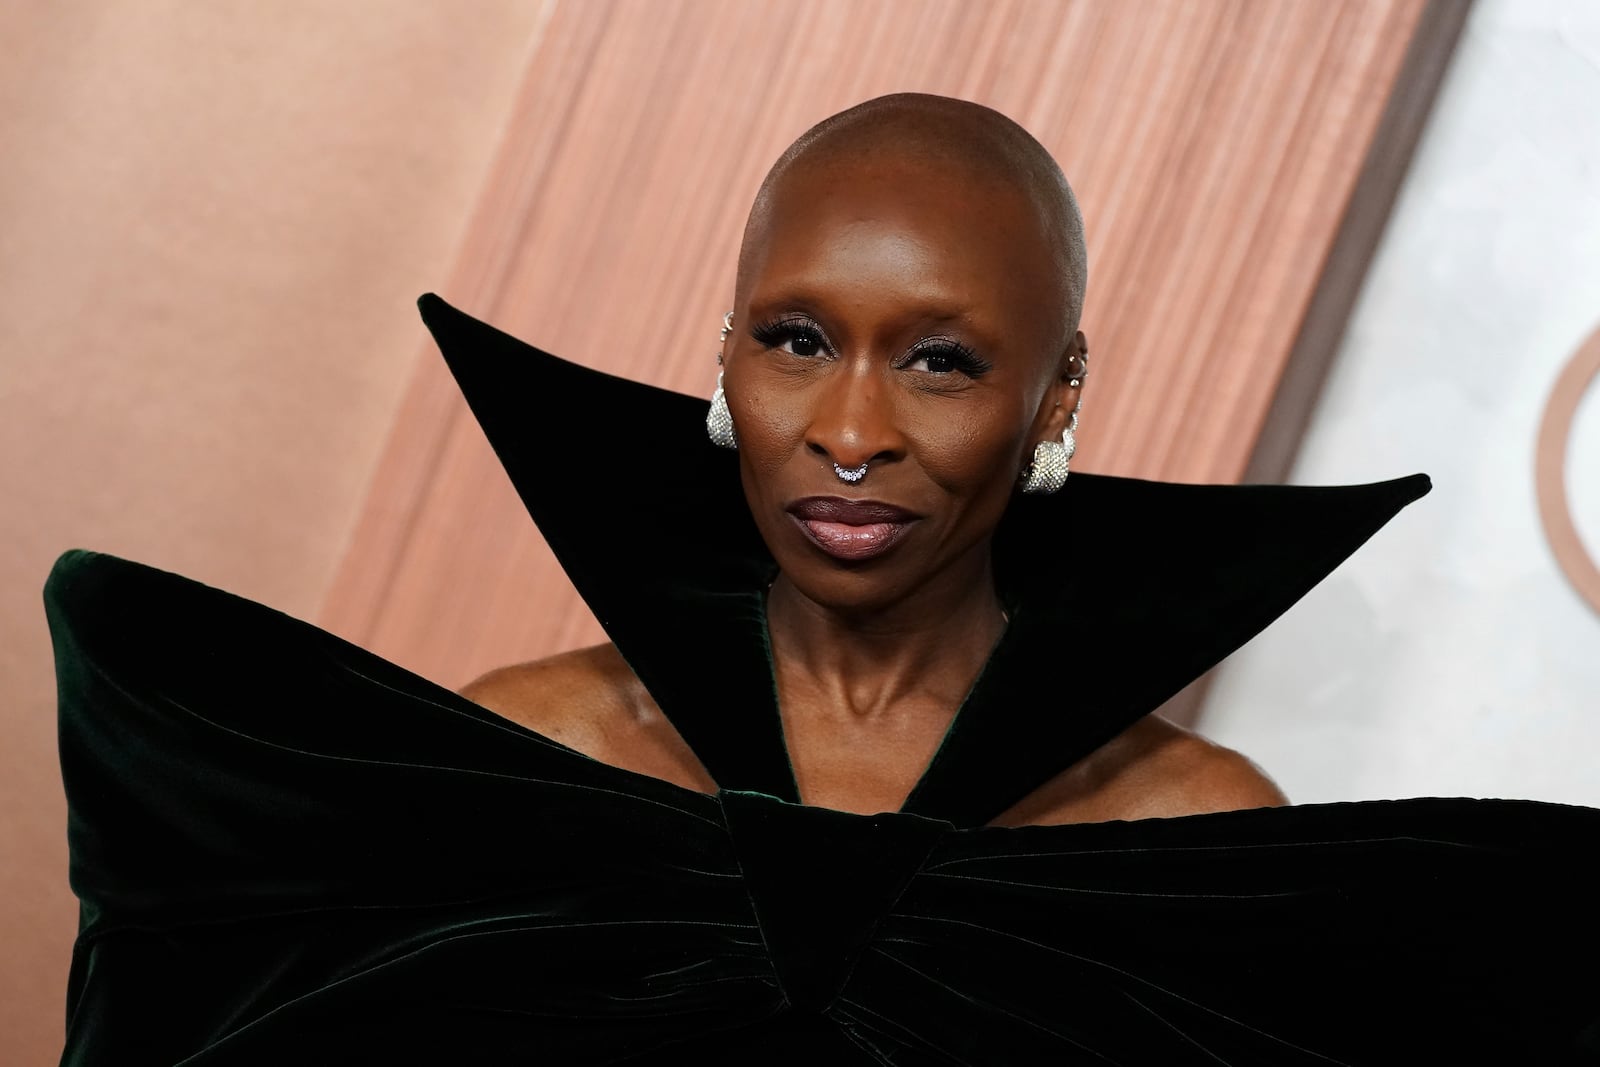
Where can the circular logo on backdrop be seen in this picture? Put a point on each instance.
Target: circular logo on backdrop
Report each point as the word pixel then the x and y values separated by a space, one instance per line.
pixel 1550 470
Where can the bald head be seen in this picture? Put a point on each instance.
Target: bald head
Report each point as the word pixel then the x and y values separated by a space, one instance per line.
pixel 945 138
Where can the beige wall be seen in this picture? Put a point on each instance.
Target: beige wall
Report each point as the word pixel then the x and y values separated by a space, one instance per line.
pixel 1467 663
pixel 213 221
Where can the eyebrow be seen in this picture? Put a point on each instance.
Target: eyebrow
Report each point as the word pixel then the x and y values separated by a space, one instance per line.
pixel 928 312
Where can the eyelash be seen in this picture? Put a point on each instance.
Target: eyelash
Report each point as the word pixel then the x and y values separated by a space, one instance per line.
pixel 963 360
pixel 774 332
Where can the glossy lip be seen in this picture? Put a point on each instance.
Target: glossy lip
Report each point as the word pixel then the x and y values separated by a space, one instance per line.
pixel 851 530
pixel 850 512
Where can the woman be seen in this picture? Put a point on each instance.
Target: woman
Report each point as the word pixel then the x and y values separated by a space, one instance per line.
pixel 907 306
pixel 759 827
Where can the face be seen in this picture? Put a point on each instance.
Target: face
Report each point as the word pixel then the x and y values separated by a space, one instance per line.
pixel 905 321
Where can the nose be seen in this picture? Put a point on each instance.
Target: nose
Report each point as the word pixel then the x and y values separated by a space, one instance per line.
pixel 854 419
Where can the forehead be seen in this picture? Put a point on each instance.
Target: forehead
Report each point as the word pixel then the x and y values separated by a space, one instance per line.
pixel 910 230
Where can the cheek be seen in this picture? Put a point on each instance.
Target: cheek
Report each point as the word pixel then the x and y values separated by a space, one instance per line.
pixel 973 456
pixel 770 423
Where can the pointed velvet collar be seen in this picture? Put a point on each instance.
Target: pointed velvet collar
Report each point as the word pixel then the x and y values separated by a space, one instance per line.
pixel 1121 591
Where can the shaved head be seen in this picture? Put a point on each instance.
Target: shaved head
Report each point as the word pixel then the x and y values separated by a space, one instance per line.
pixel 945 138
pixel 907 303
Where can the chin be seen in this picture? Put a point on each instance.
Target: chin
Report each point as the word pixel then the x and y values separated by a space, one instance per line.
pixel 846 590
pixel 830 580
pixel 853 587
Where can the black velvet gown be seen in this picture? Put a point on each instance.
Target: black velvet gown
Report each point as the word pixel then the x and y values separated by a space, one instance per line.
pixel 290 851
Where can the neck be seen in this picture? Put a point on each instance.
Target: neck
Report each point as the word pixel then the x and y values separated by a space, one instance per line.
pixel 924 649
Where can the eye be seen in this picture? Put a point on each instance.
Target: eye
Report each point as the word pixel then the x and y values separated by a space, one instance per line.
pixel 796 336
pixel 945 357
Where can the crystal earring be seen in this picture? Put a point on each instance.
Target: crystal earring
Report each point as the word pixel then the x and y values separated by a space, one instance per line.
pixel 719 420
pixel 1048 471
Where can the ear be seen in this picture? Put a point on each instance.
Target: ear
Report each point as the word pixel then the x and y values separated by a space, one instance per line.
pixel 1066 389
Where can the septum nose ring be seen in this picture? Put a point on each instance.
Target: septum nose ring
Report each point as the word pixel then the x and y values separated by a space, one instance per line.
pixel 850 475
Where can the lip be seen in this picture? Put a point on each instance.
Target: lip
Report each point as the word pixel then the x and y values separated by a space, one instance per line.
pixel 852 530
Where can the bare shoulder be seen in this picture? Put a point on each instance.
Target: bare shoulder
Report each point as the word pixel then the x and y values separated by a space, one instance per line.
pixel 590 700
pixel 1154 769
pixel 565 696
pixel 1198 775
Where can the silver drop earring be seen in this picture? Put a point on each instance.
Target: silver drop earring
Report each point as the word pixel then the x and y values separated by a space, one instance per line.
pixel 1048 471
pixel 719 420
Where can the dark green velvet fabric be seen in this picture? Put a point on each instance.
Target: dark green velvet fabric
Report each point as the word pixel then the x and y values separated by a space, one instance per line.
pixel 289 850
